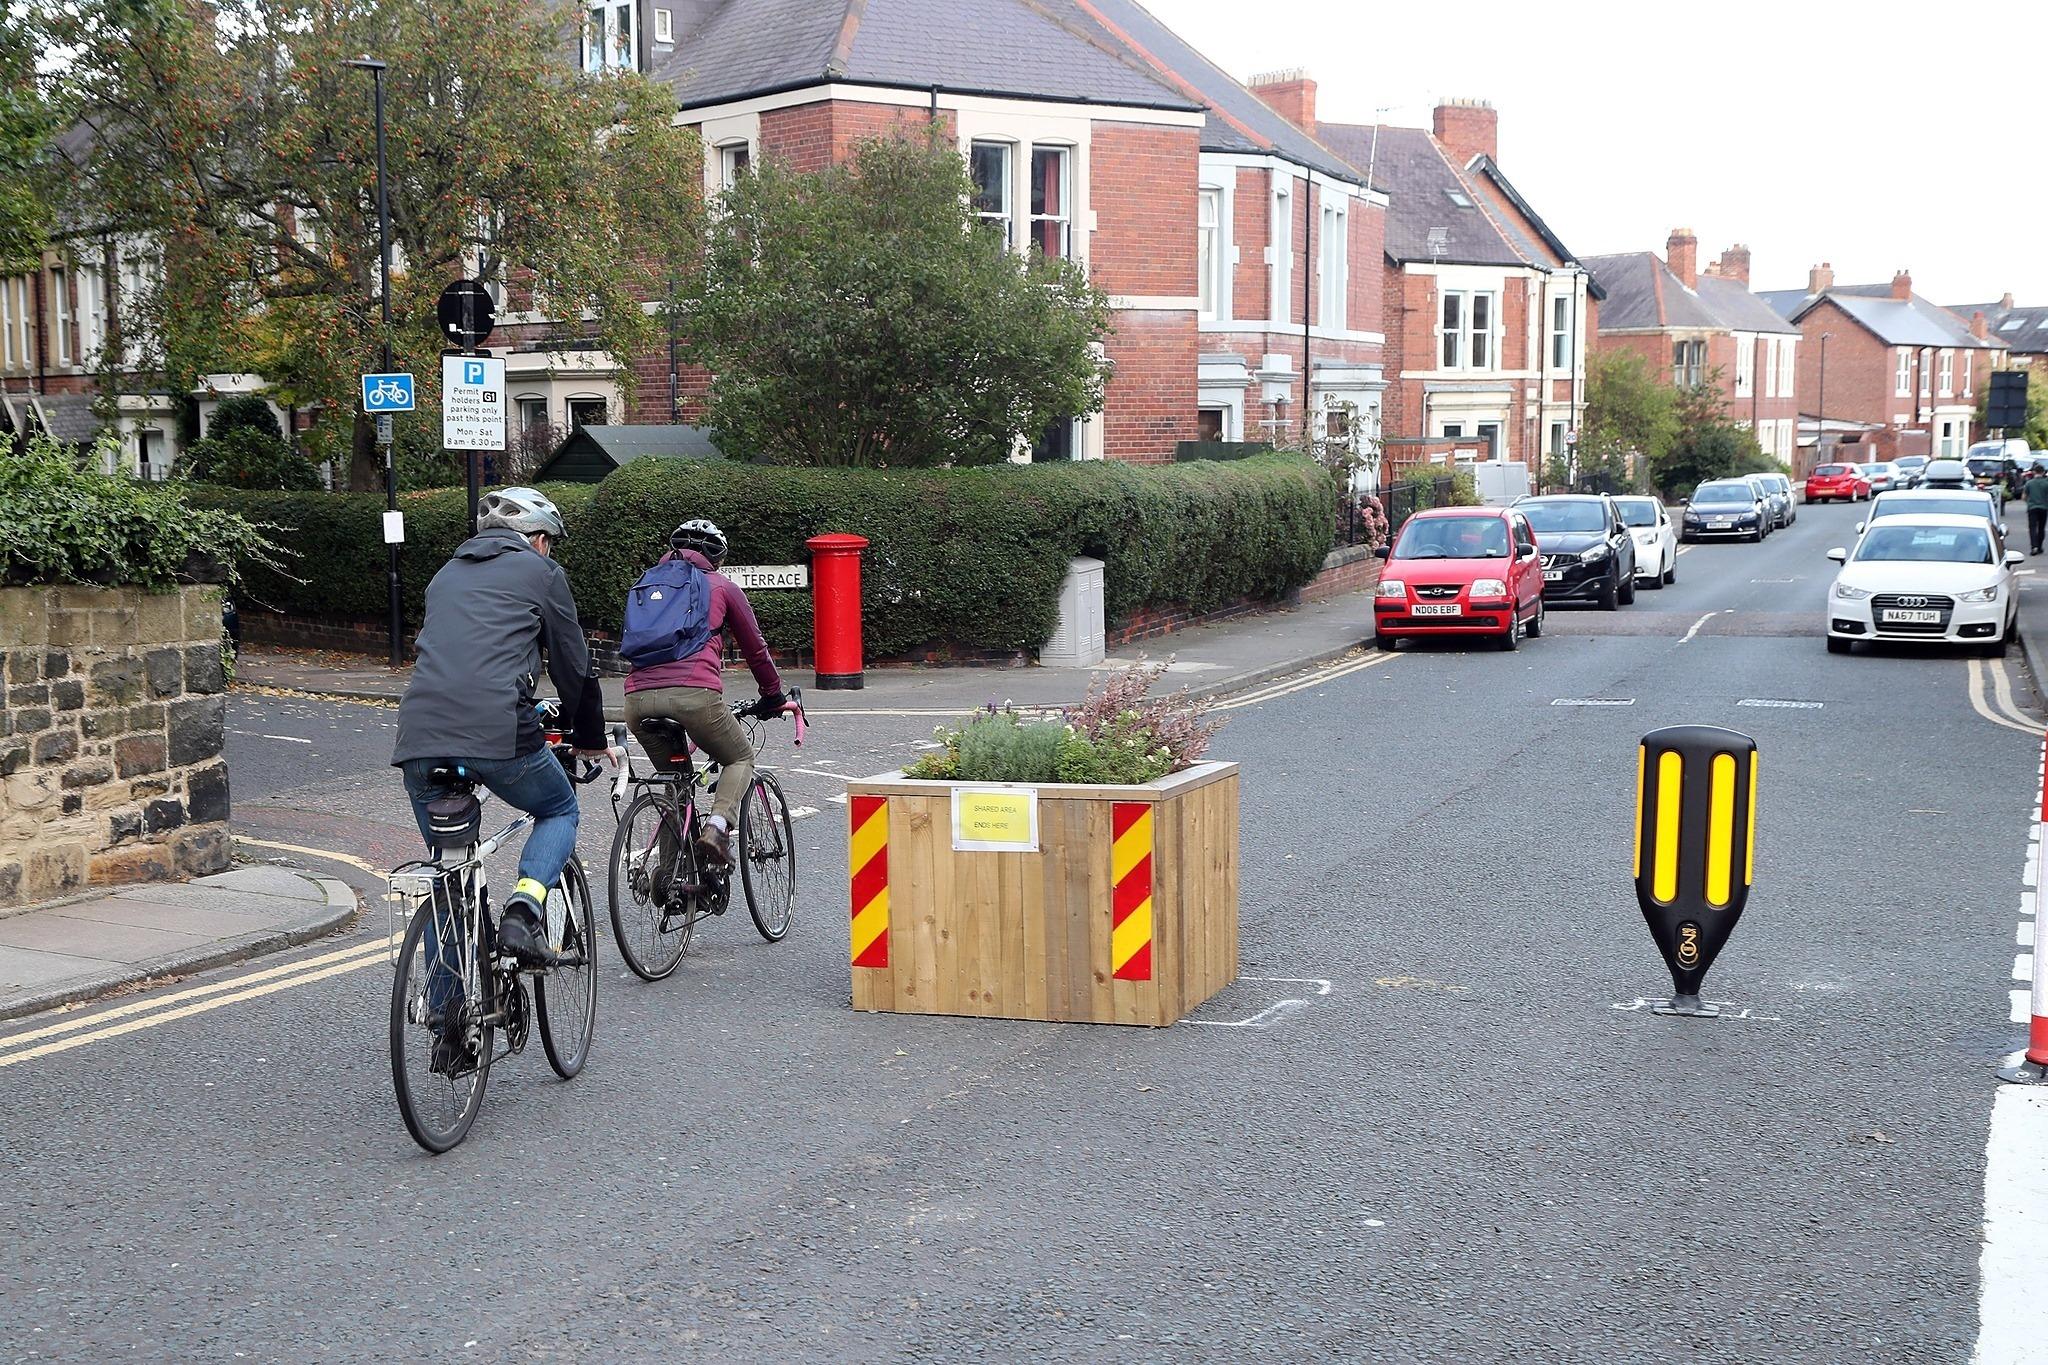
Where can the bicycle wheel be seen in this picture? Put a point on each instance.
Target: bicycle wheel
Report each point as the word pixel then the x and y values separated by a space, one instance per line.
pixel 440 1057
pixel 767 857
pixel 650 856
pixel 565 995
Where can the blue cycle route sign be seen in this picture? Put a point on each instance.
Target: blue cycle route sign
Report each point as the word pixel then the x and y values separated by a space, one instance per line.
pixel 387 393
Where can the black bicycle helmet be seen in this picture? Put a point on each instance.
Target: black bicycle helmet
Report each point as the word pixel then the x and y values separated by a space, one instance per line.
pixel 701 536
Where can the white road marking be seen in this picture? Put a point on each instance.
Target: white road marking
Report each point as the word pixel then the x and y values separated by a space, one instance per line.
pixel 1980 702
pixel 1265 1018
pixel 1686 549
pixel 2023 968
pixel 1687 639
pixel 2022 1002
pixel 802 812
pixel 1782 705
pixel 286 739
pixel 2012 1312
pixel 1593 701
pixel 838 800
pixel 818 772
pixel 1321 984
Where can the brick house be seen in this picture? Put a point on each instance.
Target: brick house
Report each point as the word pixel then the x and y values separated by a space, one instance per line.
pixel 1487 312
pixel 1701 325
pixel 1893 360
pixel 2023 330
pixel 1238 252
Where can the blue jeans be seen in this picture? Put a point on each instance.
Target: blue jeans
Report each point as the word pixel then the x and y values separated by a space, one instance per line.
pixel 535 784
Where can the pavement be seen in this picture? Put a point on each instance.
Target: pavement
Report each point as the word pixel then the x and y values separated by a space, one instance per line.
pixel 1209 660
pixel 2033 580
pixel 81 949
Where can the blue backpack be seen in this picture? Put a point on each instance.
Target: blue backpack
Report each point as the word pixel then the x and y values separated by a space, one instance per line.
pixel 668 615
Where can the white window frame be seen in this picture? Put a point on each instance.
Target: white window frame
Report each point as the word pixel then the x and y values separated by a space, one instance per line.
pixel 730 156
pixel 92 310
pixel 1560 333
pixel 1788 369
pixel 602 47
pixel 1926 372
pixel 1065 217
pixel 569 403
pixel 1332 263
pixel 7 308
pixel 1006 213
pixel 1489 333
pixel 60 312
pixel 1969 376
pixel 1211 254
pixel 1557 431
pixel 664 26
pixel 1454 331
pixel 1283 253
pixel 1745 365
pixel 1947 386
pixel 1902 372
pixel 1773 346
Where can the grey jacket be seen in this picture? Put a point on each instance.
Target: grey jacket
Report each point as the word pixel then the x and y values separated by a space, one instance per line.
pixel 490 611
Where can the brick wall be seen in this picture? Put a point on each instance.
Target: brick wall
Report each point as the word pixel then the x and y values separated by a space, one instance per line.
pixel 1149 402
pixel 110 741
pixel 1142 186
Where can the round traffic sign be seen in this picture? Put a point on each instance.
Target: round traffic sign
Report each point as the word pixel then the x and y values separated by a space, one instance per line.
pixel 467 313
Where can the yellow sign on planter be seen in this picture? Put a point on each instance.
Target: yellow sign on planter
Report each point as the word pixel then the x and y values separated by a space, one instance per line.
pixel 995 820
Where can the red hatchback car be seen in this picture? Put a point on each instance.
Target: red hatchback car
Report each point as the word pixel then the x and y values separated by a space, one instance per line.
pixel 1837 482
pixel 1461 571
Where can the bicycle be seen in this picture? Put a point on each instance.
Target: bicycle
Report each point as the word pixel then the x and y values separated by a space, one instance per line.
pixel 660 886
pixel 453 991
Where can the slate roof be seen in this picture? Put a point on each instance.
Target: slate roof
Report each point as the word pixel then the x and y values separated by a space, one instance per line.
pixel 1642 292
pixel 1895 322
pixel 588 453
pixel 1238 120
pixel 1419 179
pixel 2023 329
pixel 67 417
pixel 1043 49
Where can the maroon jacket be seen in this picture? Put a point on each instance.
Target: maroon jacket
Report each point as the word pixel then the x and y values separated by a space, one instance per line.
pixel 730 611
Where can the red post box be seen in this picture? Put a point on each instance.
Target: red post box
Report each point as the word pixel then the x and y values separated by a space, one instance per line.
pixel 835 611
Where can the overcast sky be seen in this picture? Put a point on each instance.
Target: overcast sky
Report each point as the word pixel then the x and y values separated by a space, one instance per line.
pixel 1810 130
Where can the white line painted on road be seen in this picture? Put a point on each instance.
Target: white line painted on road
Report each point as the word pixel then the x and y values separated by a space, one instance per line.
pixel 287 739
pixel 802 812
pixel 817 772
pixel 2012 1312
pixel 1321 984
pixel 1593 701
pixel 1782 705
pixel 1265 1018
pixel 2022 1002
pixel 1686 639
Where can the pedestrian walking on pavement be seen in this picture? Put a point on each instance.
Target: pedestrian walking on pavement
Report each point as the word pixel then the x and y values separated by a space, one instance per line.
pixel 2037 506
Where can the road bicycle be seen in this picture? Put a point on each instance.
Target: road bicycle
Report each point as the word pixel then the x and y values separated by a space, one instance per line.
pixel 453 992
pixel 661 885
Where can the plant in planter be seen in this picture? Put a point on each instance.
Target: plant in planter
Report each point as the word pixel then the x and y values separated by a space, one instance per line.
pixel 1082 868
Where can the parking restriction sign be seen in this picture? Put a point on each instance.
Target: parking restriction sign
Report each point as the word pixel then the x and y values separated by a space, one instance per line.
pixel 472 402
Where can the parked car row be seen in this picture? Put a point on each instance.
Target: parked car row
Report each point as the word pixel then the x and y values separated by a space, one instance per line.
pixel 1492 572
pixel 1930 566
pixel 1748 507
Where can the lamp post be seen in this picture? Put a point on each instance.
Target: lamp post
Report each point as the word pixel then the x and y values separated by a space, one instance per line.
pixel 1820 426
pixel 384 434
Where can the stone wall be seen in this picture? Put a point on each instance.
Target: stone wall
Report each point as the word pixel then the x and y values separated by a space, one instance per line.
pixel 110 738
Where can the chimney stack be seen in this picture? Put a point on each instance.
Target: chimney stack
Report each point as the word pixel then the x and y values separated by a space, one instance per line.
pixel 1291 94
pixel 2005 303
pixel 1978 328
pixel 1467 128
pixel 1733 265
pixel 1682 254
pixel 1902 286
pixel 1820 279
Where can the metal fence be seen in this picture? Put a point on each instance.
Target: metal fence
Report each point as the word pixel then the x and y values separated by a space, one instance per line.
pixel 1356 521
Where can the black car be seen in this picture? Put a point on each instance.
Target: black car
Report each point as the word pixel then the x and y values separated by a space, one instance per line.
pixel 1588 554
pixel 1734 508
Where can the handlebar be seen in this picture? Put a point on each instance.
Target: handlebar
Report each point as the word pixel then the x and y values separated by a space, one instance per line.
pixel 792 705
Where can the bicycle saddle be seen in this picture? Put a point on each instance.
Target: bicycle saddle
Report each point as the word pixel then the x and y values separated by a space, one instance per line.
pixel 672 734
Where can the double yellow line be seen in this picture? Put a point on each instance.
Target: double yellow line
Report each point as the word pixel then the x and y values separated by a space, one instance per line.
pixel 1344 668
pixel 66 1034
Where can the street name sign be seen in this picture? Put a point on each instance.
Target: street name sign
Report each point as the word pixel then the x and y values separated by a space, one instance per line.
pixel 387 393
pixel 754 577
pixel 472 402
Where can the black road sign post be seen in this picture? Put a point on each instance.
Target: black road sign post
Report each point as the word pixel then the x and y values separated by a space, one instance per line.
pixel 1695 848
pixel 467 313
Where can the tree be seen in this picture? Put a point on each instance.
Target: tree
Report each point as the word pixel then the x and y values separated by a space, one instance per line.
pixel 27 124
pixel 1707 445
pixel 244 411
pixel 863 315
pixel 232 133
pixel 246 457
pixel 1631 420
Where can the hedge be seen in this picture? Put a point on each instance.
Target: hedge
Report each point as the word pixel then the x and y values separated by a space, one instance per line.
pixel 333 560
pixel 968 558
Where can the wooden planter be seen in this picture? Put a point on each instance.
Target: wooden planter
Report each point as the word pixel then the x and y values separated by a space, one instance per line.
pixel 1124 913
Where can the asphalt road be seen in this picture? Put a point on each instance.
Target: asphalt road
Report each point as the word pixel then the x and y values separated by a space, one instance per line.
pixel 1475 1146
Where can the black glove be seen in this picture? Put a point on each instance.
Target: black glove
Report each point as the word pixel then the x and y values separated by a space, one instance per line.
pixel 770 706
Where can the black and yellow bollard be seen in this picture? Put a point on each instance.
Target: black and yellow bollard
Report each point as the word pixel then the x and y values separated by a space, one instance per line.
pixel 1695 848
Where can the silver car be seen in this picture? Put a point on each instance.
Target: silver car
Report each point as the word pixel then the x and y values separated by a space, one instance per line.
pixel 1783 487
pixel 1778 504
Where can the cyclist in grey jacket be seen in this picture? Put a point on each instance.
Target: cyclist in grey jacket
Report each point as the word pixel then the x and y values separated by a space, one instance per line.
pixel 491 611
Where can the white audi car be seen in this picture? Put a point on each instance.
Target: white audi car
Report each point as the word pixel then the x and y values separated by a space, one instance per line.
pixel 1649 525
pixel 1943 579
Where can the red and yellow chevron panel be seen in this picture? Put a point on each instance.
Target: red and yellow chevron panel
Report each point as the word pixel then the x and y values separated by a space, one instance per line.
pixel 1130 860
pixel 868 856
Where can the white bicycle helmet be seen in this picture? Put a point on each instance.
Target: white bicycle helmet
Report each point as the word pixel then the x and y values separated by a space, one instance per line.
pixel 524 510
pixel 701 536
